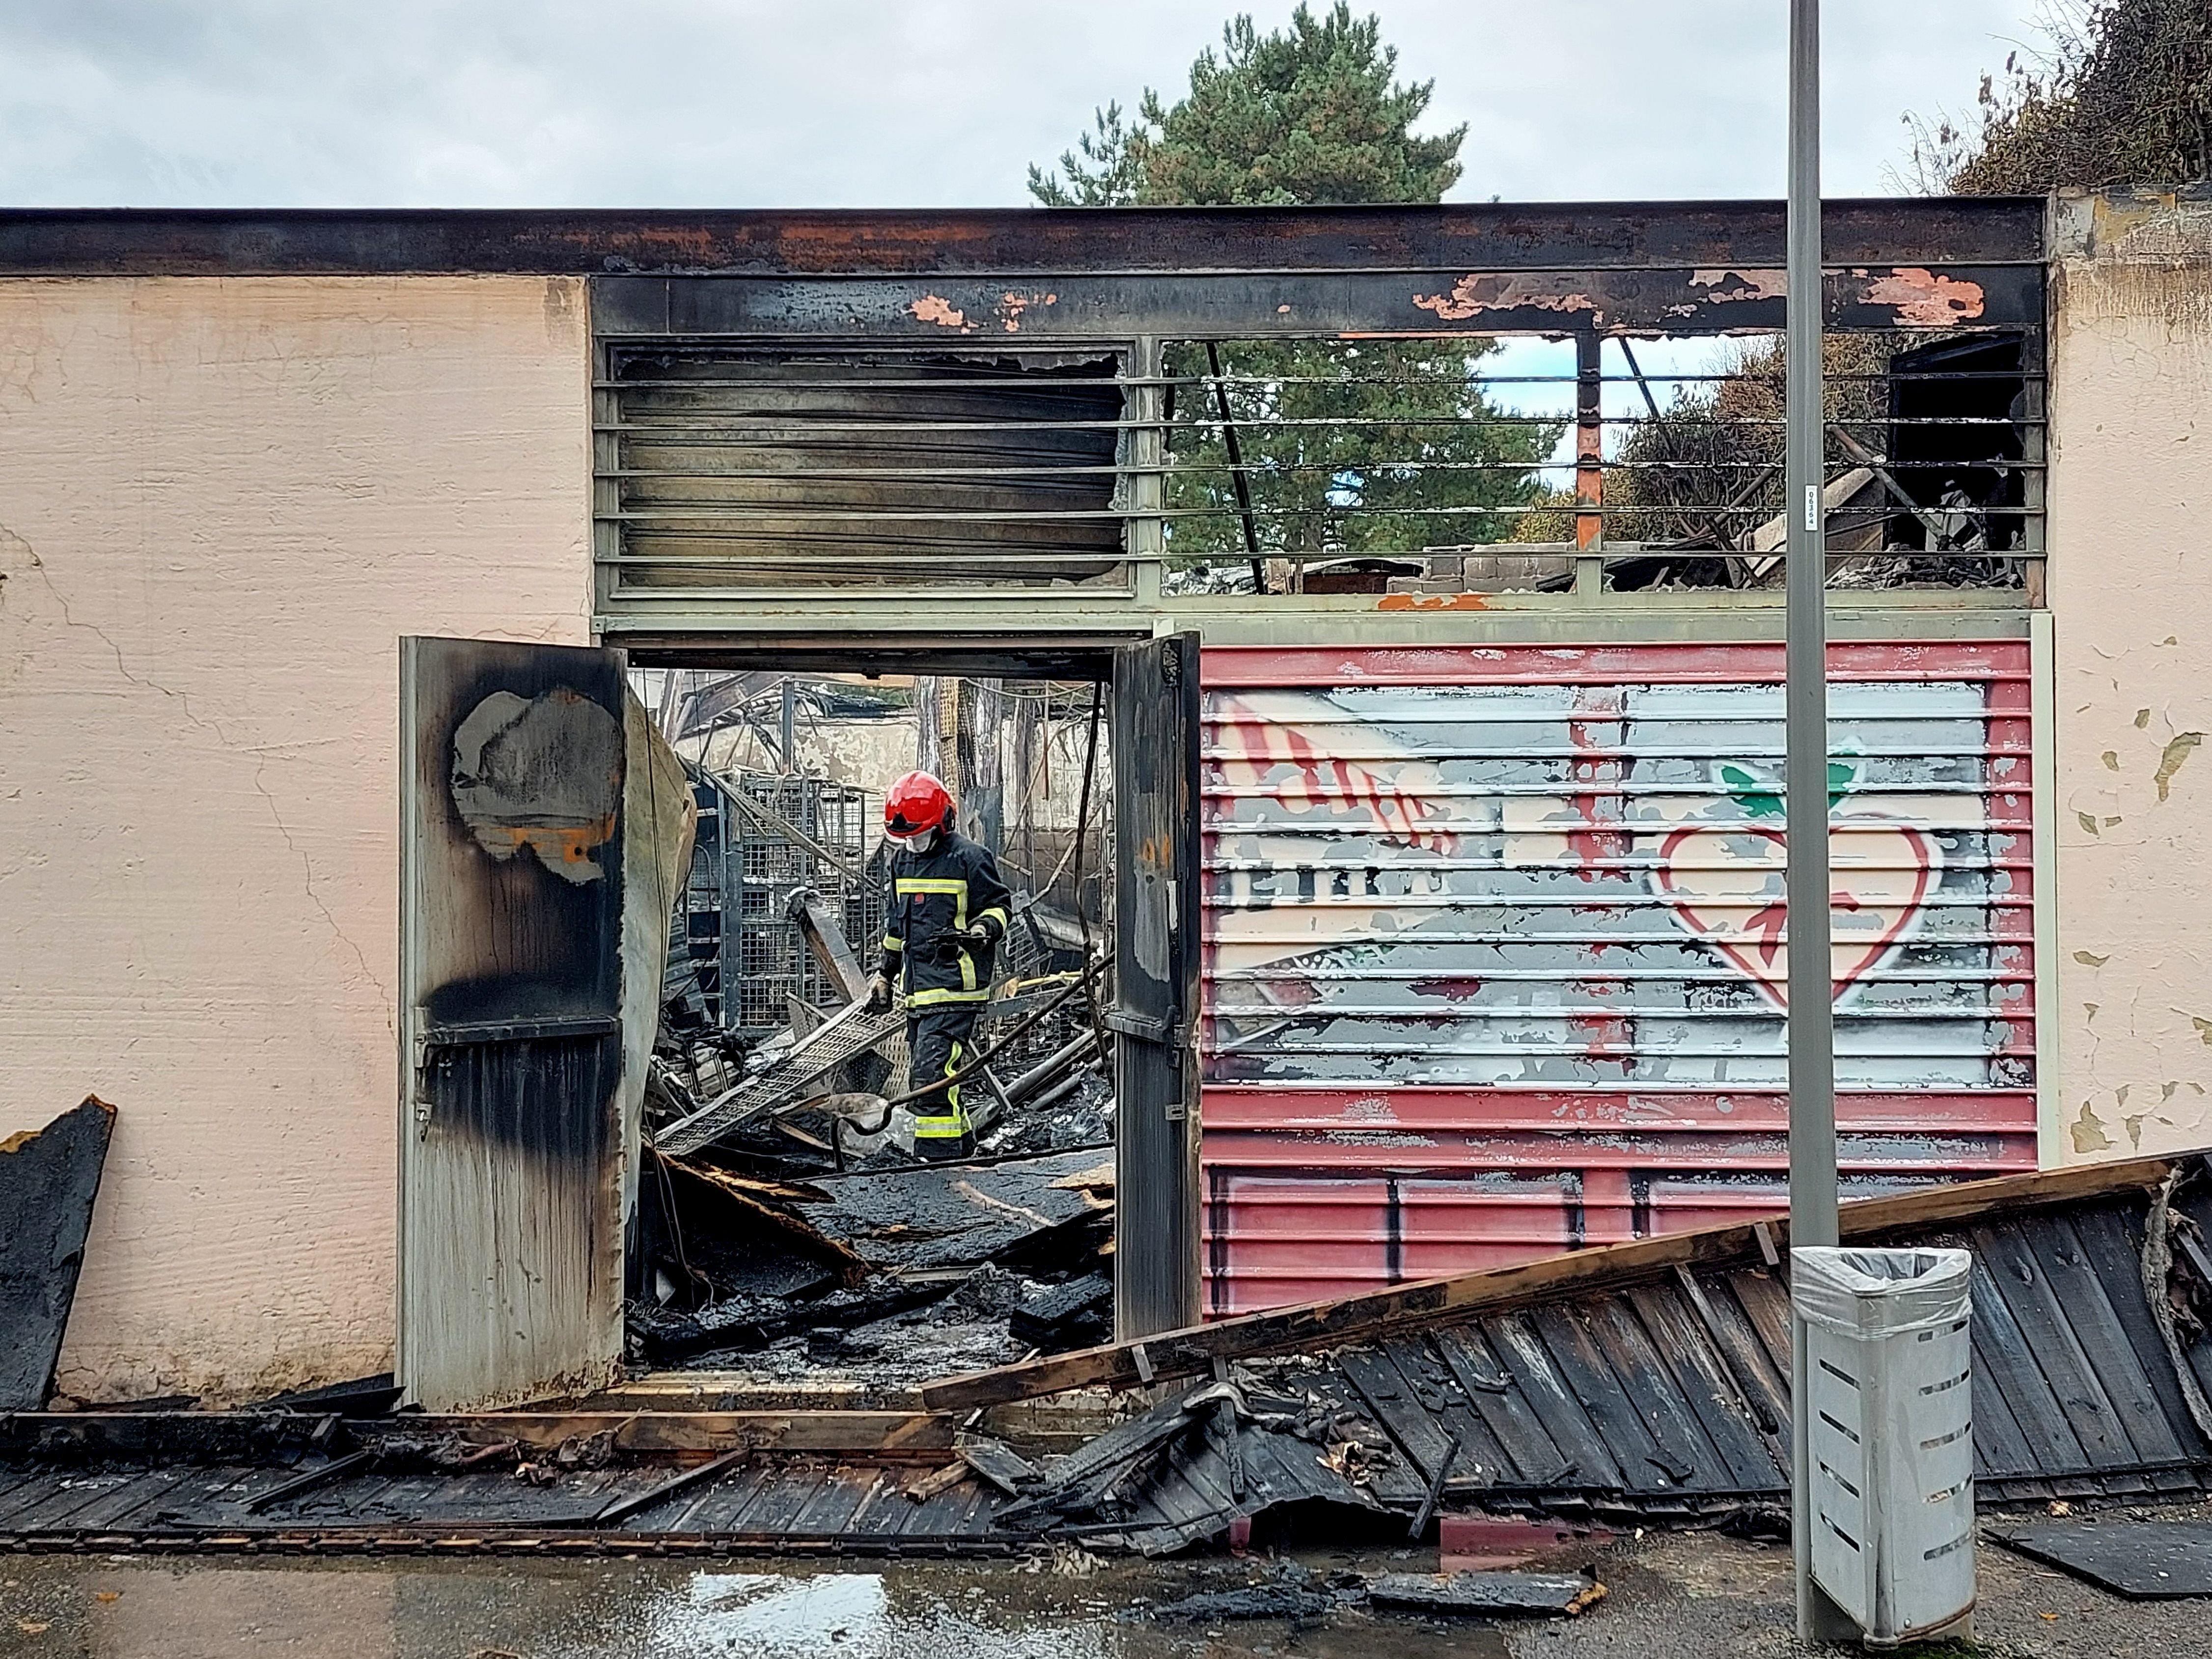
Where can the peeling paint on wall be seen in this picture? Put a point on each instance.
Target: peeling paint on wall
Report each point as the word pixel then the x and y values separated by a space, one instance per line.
pixel 2131 380
pixel 1925 300
pixel 2169 761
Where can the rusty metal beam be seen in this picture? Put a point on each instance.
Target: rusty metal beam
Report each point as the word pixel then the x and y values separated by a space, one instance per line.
pixel 1308 303
pixel 1471 236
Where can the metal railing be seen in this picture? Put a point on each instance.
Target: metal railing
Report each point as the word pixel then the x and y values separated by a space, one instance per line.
pixel 1277 467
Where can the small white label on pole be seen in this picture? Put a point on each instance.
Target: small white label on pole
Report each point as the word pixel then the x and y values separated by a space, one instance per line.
pixel 1812 507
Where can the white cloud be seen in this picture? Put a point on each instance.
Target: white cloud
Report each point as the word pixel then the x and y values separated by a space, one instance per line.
pixel 845 103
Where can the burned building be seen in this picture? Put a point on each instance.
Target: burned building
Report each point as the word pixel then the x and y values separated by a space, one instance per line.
pixel 1445 912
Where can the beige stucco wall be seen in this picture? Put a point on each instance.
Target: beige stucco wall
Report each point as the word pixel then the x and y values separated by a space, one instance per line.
pixel 220 504
pixel 2132 599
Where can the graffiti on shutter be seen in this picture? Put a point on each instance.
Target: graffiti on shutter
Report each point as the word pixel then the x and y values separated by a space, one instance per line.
pixel 1495 949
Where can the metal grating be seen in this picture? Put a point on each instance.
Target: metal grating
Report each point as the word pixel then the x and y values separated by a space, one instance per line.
pixel 1495 945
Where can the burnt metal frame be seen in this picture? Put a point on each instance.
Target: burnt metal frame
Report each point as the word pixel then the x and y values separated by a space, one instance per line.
pixel 1127 282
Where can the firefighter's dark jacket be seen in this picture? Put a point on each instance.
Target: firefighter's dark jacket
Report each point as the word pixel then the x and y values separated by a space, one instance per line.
pixel 955 886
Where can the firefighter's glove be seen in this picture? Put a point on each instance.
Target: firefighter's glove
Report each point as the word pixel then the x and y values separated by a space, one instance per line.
pixel 879 995
pixel 949 947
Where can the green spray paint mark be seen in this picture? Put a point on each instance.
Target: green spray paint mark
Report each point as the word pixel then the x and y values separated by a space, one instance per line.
pixel 1761 797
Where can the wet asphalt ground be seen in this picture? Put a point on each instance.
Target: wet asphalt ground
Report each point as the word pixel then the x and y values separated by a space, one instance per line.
pixel 1672 1596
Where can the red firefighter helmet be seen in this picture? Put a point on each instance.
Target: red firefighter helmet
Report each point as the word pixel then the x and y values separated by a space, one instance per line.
pixel 917 803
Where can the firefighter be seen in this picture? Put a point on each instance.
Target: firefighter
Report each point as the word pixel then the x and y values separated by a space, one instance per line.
pixel 943 914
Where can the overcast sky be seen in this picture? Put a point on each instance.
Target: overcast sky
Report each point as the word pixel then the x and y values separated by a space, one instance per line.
pixel 747 103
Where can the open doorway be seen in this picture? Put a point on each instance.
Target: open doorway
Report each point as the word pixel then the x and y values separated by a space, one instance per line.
pixel 734 1183
pixel 786 1227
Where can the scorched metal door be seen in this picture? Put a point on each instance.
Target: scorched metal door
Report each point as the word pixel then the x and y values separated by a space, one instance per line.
pixel 1156 957
pixel 511 893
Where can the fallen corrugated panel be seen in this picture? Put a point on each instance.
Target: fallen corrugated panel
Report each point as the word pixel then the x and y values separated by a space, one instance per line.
pixel 1653 1377
pixel 1647 1380
pixel 48 1180
pixel 1314 1327
pixel 774 1505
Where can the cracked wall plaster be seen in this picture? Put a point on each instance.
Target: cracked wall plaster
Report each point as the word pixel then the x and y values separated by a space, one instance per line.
pixel 220 504
pixel 2131 597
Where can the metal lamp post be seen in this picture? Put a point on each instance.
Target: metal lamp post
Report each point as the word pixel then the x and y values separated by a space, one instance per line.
pixel 1812 1025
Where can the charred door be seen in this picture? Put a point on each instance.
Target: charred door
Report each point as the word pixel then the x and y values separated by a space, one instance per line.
pixel 511 892
pixel 1155 961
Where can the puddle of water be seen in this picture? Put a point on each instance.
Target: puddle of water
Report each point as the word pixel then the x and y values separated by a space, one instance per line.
pixel 117 1608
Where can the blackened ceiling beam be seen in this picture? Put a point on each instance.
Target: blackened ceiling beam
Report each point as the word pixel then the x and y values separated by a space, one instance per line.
pixel 1712 300
pixel 1482 237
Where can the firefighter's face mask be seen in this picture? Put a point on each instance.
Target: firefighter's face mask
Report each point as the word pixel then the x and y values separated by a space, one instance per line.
pixel 923 841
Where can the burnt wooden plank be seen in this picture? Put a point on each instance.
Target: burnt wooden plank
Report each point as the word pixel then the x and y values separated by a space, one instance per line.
pixel 884 1508
pixel 973 1519
pixel 1658 1395
pixel 1588 1460
pixel 484 1498
pixel 49 1178
pixel 1533 1457
pixel 726 1505
pixel 1396 1408
pixel 29 1489
pixel 634 1509
pixel 75 1492
pixel 1764 1295
pixel 141 1496
pixel 1750 1364
pixel 2052 1345
pixel 2002 1447
pixel 843 1491
pixel 2091 1308
pixel 783 1498
pixel 938 1516
pixel 1706 1382
pixel 2114 1252
pixel 209 1499
pixel 1644 1462
pixel 1481 1461
pixel 2002 1359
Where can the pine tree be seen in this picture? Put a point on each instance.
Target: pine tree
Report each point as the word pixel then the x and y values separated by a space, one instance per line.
pixel 1398 441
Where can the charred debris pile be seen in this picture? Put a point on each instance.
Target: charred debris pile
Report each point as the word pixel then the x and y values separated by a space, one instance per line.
pixel 784 1224
pixel 786 1227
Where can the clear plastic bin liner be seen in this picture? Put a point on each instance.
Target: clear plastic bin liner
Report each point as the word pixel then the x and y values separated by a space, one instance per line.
pixel 1877 1293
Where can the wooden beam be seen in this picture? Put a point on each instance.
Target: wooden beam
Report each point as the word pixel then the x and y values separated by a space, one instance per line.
pixel 254 1436
pixel 1317 1325
pixel 871 1434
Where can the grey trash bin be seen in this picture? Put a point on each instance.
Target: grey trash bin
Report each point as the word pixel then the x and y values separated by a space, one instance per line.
pixel 1889 1361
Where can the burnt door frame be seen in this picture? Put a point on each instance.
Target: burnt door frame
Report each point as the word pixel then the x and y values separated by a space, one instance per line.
pixel 1156 1011
pixel 1153 729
